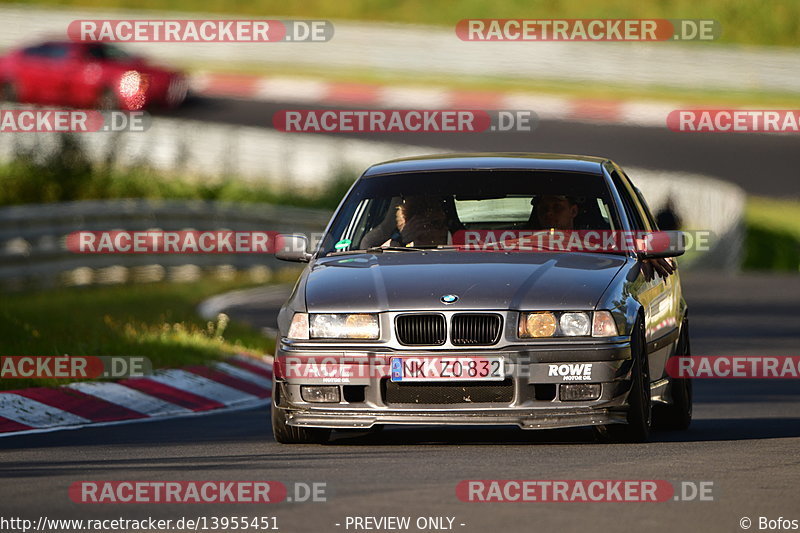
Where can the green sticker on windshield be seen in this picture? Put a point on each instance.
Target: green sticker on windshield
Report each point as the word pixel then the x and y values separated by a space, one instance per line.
pixel 344 243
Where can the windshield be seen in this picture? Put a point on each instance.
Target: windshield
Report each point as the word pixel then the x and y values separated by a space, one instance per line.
pixel 424 210
pixel 107 51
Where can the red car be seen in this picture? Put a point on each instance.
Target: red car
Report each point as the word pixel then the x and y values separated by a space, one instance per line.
pixel 87 75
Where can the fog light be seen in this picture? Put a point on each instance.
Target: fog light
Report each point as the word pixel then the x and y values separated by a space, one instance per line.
pixel 574 392
pixel 326 394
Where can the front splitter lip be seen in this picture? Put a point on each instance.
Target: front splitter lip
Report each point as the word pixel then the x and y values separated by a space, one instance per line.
pixel 523 418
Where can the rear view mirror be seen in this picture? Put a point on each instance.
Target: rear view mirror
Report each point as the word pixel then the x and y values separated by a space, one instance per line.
pixel 292 247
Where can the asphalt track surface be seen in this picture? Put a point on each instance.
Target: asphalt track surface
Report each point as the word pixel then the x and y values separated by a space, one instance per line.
pixel 744 438
pixel 762 164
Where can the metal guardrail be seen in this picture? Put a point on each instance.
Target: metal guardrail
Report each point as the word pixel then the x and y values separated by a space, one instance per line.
pixel 307 162
pixel 33 248
pixel 703 204
pixel 209 151
pixel 31 237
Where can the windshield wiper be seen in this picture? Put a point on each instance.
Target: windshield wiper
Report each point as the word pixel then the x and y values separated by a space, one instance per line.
pixel 422 248
pixel 381 249
pixel 374 250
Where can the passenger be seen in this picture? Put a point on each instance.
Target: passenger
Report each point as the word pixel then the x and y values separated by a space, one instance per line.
pixel 421 221
pixel 387 229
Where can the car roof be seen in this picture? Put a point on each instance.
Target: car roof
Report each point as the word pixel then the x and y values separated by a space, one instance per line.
pixel 51 42
pixel 63 42
pixel 489 161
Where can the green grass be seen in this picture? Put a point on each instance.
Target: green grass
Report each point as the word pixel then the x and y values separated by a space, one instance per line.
pixel 156 320
pixel 772 239
pixel 68 174
pixel 743 21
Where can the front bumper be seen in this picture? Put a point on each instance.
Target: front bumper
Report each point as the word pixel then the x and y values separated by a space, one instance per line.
pixel 531 397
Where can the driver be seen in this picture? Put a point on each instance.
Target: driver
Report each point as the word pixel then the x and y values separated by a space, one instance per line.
pixel 558 212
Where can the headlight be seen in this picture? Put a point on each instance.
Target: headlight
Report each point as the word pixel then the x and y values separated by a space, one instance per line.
pixel 604 325
pixel 537 325
pixel 299 327
pixel 540 324
pixel 574 324
pixel 354 326
pixel 130 83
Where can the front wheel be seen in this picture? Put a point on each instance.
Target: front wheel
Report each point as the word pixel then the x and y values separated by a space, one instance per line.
pixel 678 414
pixel 640 410
pixel 108 100
pixel 8 93
pixel 286 434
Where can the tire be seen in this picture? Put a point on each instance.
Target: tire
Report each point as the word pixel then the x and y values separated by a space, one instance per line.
pixel 8 92
pixel 108 100
pixel 678 414
pixel 286 434
pixel 640 410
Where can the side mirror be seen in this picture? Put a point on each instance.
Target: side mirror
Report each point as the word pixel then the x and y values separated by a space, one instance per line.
pixel 658 244
pixel 292 248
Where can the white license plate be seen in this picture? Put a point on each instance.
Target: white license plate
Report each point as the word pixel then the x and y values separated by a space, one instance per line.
pixel 447 369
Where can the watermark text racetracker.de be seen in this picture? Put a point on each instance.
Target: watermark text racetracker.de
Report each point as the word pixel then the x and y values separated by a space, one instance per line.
pixel 582 491
pixel 734 120
pixel 206 491
pixel 201 31
pixel 173 242
pixel 734 366
pixel 72 121
pixel 403 120
pixel 74 367
pixel 581 241
pixel 587 30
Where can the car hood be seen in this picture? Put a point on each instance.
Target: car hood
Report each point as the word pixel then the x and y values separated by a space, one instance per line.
pixel 402 281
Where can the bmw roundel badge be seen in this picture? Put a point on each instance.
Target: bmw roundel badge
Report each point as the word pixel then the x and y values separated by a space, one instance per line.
pixel 449 298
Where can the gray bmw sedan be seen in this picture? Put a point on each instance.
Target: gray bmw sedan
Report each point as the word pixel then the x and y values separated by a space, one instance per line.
pixel 485 289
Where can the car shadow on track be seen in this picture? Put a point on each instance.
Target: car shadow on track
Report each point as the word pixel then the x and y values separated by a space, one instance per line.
pixel 705 430
pixel 251 428
pixel 732 429
pixel 476 435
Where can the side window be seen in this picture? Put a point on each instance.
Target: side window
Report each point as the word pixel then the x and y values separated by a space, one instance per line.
pixel 35 51
pixel 96 51
pixel 634 215
pixel 371 224
pixel 49 51
pixel 646 209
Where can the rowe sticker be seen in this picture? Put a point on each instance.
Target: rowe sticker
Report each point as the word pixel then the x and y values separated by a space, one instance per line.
pixel 571 371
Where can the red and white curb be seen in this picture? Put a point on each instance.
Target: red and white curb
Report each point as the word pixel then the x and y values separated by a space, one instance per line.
pixel 239 382
pixel 318 92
